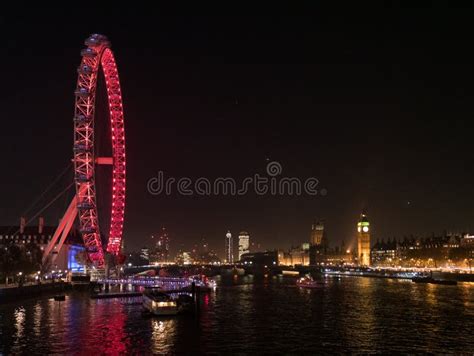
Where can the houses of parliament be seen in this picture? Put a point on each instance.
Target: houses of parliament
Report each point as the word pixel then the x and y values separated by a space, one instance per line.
pixel 318 251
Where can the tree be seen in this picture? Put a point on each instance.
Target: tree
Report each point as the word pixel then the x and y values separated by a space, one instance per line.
pixel 10 260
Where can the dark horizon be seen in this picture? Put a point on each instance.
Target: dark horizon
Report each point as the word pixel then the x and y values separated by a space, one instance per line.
pixel 378 108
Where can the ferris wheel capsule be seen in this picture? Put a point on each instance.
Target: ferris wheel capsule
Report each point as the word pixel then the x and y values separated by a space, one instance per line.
pixel 85 69
pixel 88 52
pixel 82 92
pixel 82 118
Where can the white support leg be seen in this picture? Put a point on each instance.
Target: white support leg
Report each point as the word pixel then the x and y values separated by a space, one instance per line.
pixel 64 227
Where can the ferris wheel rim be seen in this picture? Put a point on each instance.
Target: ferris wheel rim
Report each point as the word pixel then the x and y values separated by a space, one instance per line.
pixel 95 57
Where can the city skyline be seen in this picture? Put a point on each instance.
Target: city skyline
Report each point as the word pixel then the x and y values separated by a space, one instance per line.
pixel 317 235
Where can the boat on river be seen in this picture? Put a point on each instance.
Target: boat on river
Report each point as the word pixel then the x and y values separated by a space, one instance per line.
pixel 309 282
pixel 158 303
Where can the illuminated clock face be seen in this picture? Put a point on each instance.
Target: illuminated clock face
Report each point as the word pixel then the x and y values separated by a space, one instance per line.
pixel 365 229
pixel 358 228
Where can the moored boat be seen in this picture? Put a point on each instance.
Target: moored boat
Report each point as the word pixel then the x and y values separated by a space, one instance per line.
pixel 159 303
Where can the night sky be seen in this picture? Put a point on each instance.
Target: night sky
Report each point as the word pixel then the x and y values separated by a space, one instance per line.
pixel 376 103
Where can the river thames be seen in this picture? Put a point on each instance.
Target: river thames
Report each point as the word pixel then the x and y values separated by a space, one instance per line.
pixel 247 316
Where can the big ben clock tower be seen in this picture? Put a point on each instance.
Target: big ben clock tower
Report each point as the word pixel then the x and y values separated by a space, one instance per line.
pixel 363 240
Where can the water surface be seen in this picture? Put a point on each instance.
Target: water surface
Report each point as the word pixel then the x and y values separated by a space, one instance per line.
pixel 247 316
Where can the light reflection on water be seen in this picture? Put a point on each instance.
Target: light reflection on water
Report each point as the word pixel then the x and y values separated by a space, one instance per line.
pixel 19 317
pixel 249 315
pixel 37 318
pixel 162 337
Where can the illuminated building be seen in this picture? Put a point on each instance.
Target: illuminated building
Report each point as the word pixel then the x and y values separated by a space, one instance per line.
pixel 184 258
pixel 444 250
pixel 295 256
pixel 244 243
pixel 467 241
pixel 318 243
pixel 187 260
pixel 384 253
pixel 337 256
pixel 318 236
pixel 32 240
pixel 161 251
pixel 145 254
pixel 363 240
pixel 229 254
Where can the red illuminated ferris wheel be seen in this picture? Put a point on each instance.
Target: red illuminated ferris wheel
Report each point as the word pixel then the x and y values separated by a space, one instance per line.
pixel 97 56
